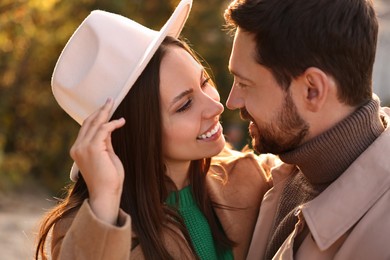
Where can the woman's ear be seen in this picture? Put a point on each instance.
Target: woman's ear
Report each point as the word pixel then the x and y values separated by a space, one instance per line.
pixel 316 85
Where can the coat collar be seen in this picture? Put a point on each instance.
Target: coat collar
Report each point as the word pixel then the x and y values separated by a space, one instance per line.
pixel 344 202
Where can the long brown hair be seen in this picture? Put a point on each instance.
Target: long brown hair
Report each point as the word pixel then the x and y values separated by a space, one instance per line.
pixel 146 186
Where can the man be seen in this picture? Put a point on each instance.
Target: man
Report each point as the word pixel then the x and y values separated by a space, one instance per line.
pixel 302 76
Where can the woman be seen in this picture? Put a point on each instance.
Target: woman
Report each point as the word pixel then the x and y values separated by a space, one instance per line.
pixel 146 189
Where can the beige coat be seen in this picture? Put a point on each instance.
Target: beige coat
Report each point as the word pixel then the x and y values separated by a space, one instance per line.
pixel 349 220
pixel 83 236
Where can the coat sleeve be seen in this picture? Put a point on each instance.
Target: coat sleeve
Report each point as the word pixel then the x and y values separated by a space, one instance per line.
pixel 83 236
pixel 238 182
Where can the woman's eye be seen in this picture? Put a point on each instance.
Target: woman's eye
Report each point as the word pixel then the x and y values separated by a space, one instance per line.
pixel 185 106
pixel 204 83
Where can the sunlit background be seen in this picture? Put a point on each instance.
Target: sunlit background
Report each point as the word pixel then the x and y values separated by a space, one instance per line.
pixel 35 134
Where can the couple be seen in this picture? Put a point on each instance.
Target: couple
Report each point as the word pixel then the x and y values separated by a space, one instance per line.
pixel 147 187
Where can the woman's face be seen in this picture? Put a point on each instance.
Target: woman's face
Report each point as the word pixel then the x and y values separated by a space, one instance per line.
pixel 190 109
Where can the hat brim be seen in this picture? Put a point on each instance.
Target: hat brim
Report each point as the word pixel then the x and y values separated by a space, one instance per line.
pixel 172 27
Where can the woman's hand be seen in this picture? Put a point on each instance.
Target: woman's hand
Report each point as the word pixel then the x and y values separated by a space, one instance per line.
pixel 100 167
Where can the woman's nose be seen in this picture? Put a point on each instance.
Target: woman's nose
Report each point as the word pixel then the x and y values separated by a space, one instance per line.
pixel 214 107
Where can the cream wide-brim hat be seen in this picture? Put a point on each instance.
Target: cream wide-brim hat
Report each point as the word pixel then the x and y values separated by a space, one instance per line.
pixel 103 59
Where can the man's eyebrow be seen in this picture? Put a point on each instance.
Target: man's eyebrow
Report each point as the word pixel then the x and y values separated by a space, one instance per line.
pixel 181 95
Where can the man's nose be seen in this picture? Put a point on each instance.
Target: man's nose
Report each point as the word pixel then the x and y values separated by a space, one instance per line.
pixel 234 101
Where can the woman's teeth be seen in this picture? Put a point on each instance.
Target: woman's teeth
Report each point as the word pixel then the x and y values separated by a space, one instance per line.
pixel 210 133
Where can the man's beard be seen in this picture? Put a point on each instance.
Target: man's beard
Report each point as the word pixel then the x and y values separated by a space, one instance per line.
pixel 284 135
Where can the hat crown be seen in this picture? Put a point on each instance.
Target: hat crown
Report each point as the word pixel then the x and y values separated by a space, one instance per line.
pixel 100 55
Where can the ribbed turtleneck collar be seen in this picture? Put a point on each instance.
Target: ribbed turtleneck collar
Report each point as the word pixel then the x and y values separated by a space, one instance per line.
pixel 324 158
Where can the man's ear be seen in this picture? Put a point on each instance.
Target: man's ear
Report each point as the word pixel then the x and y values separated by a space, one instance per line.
pixel 316 85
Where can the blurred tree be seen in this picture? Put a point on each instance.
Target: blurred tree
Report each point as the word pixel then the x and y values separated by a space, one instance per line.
pixel 35 134
pixel 34 137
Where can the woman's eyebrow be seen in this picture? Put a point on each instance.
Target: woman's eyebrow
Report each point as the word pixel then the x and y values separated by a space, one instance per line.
pixel 181 95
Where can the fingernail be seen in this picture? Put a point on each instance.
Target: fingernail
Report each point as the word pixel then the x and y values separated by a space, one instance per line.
pixel 109 100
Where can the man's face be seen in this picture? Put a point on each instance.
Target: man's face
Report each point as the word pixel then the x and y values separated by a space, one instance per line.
pixel 275 124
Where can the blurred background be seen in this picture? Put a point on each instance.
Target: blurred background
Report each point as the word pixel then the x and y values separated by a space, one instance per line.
pixel 35 134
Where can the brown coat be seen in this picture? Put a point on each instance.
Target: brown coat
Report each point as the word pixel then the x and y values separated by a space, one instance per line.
pixel 349 220
pixel 83 236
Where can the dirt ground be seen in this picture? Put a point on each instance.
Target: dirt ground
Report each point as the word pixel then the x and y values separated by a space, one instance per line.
pixel 20 214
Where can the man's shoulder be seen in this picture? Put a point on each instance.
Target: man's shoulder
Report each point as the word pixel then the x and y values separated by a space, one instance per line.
pixel 361 192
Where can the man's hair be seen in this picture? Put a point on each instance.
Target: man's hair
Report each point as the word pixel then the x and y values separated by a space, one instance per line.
pixel 338 37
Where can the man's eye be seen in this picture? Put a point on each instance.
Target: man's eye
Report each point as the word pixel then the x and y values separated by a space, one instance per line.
pixel 185 106
pixel 240 85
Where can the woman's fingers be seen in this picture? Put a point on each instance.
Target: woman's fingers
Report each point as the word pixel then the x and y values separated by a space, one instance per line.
pixel 103 133
pixel 94 132
pixel 97 140
pixel 91 123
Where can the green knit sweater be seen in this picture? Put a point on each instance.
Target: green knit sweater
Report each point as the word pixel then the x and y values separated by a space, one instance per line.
pixel 197 226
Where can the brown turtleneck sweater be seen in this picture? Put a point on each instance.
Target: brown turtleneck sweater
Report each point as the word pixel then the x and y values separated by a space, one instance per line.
pixel 319 162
